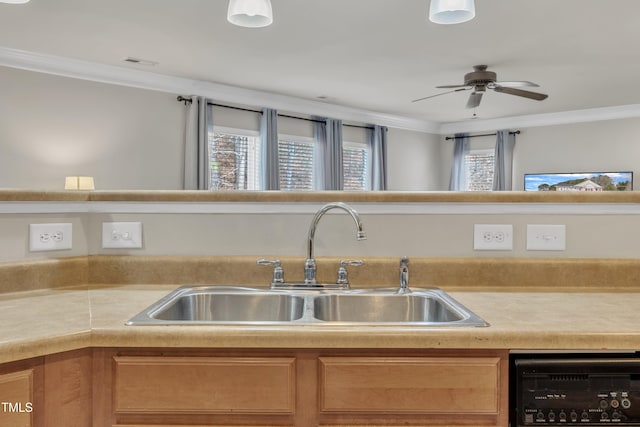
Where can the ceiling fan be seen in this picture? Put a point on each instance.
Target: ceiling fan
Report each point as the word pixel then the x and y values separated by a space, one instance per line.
pixel 480 79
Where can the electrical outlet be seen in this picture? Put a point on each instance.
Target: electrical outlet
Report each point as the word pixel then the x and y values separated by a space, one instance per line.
pixel 50 237
pixel 122 235
pixel 493 237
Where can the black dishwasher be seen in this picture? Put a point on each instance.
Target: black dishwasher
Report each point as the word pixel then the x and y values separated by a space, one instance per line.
pixel 575 389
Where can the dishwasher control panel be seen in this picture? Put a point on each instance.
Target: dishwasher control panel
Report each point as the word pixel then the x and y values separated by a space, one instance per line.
pixel 575 391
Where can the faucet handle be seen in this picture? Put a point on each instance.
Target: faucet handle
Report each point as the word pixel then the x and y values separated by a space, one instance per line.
pixel 343 278
pixel 278 271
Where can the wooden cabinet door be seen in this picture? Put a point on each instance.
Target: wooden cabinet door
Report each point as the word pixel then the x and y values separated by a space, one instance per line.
pixel 204 385
pixel 17 398
pixel 410 385
pixel 434 390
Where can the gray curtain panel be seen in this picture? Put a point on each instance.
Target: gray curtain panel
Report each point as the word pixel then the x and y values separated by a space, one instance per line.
pixel 503 167
pixel 269 146
pixel 328 167
pixel 458 179
pixel 377 142
pixel 198 129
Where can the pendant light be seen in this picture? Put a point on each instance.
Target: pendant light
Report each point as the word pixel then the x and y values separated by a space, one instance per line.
pixel 14 1
pixel 250 13
pixel 451 11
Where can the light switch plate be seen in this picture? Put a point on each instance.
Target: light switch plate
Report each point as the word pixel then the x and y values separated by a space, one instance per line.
pixel 122 235
pixel 543 237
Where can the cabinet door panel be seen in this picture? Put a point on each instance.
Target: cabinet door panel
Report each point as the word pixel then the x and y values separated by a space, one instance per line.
pixel 410 385
pixel 16 394
pixel 204 385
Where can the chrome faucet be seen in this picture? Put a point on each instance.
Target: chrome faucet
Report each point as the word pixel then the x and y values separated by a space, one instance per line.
pixel 404 276
pixel 310 263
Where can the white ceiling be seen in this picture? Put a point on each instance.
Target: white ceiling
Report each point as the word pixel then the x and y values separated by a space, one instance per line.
pixel 376 55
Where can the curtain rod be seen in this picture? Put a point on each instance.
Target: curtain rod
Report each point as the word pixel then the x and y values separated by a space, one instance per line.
pixel 517 132
pixel 188 101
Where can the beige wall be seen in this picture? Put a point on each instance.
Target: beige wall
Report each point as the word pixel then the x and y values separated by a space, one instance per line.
pixel 602 146
pixel 52 126
pixel 614 235
pixel 414 161
pixel 129 138
pixel 424 235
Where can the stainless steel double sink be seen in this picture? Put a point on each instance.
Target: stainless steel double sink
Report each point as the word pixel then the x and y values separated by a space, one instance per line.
pixel 232 305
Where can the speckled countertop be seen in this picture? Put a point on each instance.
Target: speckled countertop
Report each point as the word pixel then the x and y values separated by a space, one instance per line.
pixel 63 304
pixel 41 322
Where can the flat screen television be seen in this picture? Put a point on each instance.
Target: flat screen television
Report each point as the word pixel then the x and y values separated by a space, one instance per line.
pixel 579 181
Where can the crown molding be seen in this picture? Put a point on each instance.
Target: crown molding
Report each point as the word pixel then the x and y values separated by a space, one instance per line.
pixel 547 119
pixel 93 71
pixel 103 73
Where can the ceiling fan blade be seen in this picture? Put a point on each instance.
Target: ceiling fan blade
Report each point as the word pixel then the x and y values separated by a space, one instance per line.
pixel 522 83
pixel 452 86
pixel 474 99
pixel 519 92
pixel 439 94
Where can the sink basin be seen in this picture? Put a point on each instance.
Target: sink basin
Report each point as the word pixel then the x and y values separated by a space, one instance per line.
pixel 395 308
pixel 223 305
pixel 249 306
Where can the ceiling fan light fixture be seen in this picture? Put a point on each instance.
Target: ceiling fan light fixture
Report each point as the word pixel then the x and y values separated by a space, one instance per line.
pixel 451 11
pixel 250 13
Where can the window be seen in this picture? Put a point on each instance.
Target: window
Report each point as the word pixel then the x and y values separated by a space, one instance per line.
pixel 296 163
pixel 355 162
pixel 479 165
pixel 236 162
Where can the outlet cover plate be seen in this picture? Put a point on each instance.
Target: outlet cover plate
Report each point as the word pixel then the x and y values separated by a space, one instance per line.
pixel 493 237
pixel 543 237
pixel 50 237
pixel 117 235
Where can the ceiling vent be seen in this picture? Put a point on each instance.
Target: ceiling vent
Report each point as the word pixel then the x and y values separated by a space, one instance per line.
pixel 139 61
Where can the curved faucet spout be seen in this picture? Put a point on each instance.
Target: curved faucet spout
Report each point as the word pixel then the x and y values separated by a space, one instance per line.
pixel 310 264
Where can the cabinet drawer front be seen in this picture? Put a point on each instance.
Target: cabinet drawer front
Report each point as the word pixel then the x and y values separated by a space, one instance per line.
pixel 410 385
pixel 16 392
pixel 206 385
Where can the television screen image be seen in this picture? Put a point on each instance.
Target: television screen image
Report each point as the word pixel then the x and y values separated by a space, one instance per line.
pixel 579 181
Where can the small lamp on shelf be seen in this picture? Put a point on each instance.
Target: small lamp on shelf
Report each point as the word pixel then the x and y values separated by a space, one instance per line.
pixel 79 183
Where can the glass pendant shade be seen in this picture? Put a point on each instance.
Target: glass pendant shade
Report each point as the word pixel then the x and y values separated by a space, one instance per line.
pixel 451 11
pixel 250 13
